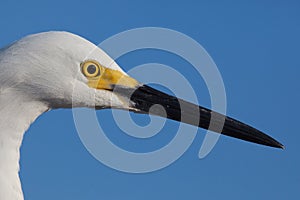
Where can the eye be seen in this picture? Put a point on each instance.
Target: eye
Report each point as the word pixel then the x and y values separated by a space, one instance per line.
pixel 91 69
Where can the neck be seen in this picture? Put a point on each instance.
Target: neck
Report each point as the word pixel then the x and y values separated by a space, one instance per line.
pixel 16 115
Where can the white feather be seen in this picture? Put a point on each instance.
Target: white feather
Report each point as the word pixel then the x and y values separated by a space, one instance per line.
pixel 38 73
pixel 17 113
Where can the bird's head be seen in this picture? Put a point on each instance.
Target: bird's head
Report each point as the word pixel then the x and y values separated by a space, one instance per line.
pixel 48 66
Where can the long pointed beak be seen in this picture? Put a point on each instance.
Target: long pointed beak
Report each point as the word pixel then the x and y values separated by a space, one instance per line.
pixel 144 98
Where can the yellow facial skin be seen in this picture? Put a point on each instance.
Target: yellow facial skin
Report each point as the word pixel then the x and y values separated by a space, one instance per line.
pixel 100 77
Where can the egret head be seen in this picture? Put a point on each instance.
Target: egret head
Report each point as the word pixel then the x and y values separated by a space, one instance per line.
pixel 64 70
pixel 48 66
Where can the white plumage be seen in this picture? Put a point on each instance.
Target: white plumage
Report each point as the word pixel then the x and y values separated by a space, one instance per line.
pixel 39 72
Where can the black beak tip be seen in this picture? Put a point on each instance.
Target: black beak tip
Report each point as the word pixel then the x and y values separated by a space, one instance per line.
pixel 276 144
pixel 281 146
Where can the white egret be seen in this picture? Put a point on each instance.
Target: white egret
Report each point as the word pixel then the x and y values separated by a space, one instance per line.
pixel 38 73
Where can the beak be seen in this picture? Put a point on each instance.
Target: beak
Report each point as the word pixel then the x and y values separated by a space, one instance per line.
pixel 142 99
pixel 145 97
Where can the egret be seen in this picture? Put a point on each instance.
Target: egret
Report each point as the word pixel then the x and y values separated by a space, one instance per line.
pixel 38 73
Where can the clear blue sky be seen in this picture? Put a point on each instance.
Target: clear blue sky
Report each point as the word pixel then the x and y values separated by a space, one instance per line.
pixel 256 47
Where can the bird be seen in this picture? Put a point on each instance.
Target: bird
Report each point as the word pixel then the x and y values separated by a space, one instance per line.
pixel 38 74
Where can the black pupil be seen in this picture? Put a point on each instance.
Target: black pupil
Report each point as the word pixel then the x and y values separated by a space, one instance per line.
pixel 91 69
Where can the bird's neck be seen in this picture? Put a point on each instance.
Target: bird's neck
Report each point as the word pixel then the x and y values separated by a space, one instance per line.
pixel 16 115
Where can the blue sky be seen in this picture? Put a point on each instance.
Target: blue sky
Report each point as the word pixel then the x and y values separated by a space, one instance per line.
pixel 255 46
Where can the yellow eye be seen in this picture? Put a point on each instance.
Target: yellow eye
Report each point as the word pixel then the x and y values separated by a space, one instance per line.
pixel 91 68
